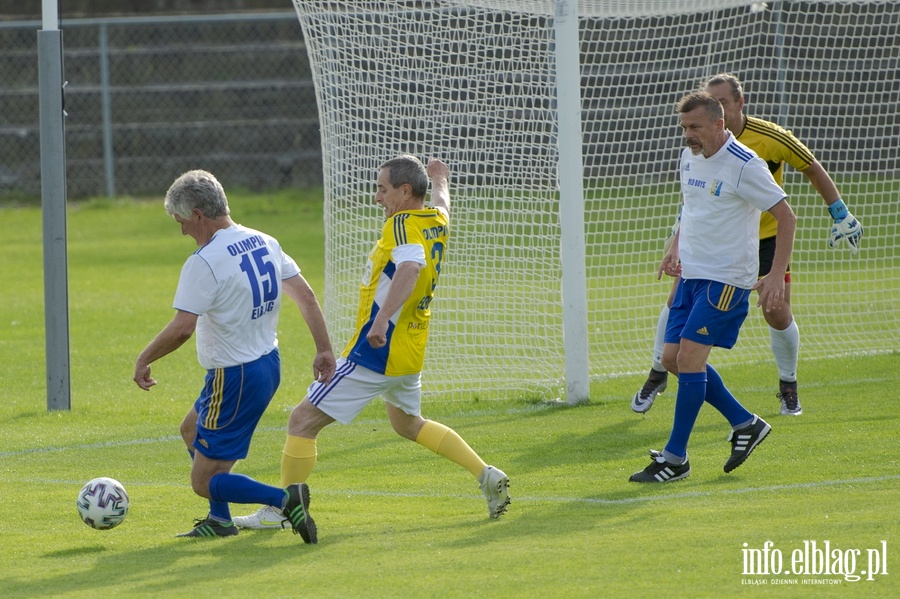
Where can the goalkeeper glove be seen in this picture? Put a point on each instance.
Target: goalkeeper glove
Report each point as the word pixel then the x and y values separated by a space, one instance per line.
pixel 845 227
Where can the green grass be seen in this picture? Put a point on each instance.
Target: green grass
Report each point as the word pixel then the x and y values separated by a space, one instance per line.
pixel 394 519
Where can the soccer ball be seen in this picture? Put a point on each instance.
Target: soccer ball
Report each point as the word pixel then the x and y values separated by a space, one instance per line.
pixel 103 503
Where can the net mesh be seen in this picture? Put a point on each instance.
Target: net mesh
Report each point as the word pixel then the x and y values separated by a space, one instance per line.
pixel 475 84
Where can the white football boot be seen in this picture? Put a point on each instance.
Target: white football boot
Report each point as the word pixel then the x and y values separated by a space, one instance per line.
pixel 495 487
pixel 264 518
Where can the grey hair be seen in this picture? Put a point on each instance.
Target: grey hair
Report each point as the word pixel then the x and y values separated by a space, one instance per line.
pixel 407 170
pixel 196 190
pixel 695 100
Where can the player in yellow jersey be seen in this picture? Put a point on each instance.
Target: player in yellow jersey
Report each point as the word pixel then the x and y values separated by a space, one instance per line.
pixel 776 146
pixel 385 356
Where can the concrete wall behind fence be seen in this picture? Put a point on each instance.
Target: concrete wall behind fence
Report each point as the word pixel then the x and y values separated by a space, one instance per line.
pixel 149 98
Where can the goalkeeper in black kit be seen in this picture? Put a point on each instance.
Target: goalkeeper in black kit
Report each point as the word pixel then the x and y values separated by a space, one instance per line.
pixel 776 146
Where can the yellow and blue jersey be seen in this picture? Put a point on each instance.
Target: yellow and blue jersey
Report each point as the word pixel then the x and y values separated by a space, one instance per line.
pixel 407 335
pixel 776 146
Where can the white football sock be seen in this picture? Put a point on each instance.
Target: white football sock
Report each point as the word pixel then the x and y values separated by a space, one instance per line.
pixel 659 342
pixel 786 349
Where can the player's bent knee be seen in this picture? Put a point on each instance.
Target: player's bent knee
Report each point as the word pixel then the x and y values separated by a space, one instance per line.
pixel 188 428
pixel 670 364
pixel 407 426
pixel 779 319
pixel 201 489
pixel 200 484
pixel 306 420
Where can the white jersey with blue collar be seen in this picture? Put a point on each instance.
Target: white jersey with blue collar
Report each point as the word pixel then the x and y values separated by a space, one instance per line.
pixel 723 197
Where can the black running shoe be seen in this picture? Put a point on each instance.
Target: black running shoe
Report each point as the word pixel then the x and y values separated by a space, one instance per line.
pixel 296 510
pixel 745 440
pixel 790 403
pixel 661 471
pixel 204 527
pixel 654 385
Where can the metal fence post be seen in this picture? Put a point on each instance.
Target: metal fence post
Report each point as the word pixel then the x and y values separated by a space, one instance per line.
pixel 109 158
pixel 53 194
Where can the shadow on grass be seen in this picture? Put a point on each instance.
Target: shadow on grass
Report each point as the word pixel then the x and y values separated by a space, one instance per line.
pixel 76 551
pixel 158 570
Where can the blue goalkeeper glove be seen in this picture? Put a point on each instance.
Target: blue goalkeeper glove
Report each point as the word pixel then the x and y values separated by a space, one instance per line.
pixel 845 227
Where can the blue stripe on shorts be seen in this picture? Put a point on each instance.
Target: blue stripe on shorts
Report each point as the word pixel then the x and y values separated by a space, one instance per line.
pixel 317 391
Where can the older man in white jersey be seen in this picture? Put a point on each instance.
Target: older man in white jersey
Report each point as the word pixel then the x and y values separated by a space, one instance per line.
pixel 385 356
pixel 777 146
pixel 725 187
pixel 230 292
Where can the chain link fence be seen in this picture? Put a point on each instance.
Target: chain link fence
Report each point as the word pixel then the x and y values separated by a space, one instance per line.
pixel 147 99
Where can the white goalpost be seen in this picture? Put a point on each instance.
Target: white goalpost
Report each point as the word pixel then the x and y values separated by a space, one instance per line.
pixel 557 120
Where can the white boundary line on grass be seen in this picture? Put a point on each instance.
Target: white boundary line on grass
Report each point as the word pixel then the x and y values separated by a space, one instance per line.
pixel 688 495
pixel 533 499
pixel 631 500
pixel 33 450
pixel 596 500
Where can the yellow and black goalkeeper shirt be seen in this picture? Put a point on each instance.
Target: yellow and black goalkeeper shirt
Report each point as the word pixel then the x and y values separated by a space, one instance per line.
pixel 776 146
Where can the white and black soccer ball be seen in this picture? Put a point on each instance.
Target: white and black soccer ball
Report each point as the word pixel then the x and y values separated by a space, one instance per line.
pixel 103 503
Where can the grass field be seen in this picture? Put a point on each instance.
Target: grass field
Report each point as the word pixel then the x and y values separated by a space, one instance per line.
pixel 395 520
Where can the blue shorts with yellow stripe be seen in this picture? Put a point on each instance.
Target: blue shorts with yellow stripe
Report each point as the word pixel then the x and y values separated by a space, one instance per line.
pixel 231 404
pixel 707 312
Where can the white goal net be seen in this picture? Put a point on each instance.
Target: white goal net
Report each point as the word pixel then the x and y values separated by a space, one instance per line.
pixel 475 84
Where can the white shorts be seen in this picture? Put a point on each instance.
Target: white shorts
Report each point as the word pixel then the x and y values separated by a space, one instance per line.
pixel 354 386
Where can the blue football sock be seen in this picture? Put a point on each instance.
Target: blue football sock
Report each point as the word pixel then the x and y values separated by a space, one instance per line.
pixel 721 399
pixel 688 401
pixel 237 488
pixel 219 511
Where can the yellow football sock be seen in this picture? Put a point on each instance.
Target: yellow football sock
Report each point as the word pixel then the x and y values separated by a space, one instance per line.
pixel 297 460
pixel 445 442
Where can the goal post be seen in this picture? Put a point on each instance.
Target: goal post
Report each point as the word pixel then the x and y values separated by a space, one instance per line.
pixel 475 82
pixel 571 202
